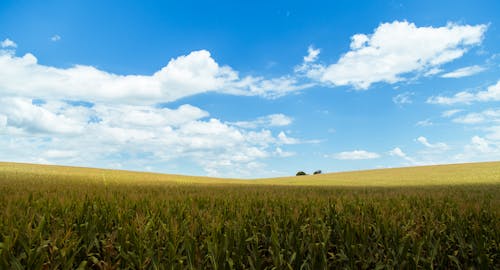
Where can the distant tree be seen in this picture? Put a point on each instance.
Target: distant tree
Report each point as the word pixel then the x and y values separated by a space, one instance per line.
pixel 317 172
pixel 299 173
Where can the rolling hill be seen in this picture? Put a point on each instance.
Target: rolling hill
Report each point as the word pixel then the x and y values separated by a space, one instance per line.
pixel 453 174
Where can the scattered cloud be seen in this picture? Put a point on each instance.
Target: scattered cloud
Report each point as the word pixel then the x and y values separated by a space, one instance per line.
pixel 395 49
pixel 273 120
pixel 284 139
pixel 490 115
pixel 403 98
pixel 7 43
pixel 479 149
pixel 280 153
pixel 55 38
pixel 312 54
pixel 436 146
pixel 464 72
pixel 397 152
pixel 424 123
pixel 480 145
pixel 492 93
pixel 356 155
pixel 450 113
pixel 471 118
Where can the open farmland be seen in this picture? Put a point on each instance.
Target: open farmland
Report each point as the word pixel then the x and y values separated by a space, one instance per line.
pixel 421 217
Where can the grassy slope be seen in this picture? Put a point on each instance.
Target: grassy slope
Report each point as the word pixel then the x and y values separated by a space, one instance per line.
pixel 456 174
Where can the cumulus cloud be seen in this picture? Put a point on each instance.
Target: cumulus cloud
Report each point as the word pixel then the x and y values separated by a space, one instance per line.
pixel 284 139
pixel 480 145
pixel 464 72
pixel 312 54
pixel 479 149
pixel 104 134
pixel 356 155
pixel 395 49
pixel 397 152
pixel 7 43
pixel 20 113
pixel 186 75
pixel 492 93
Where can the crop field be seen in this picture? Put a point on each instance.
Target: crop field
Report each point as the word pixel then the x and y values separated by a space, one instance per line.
pixel 441 217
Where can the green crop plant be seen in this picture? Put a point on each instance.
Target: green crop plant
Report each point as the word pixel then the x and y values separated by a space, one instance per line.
pixel 68 221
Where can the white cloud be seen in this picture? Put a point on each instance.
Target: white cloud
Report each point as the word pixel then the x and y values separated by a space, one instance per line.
pixel 480 144
pixel 403 98
pixel 7 43
pixel 490 115
pixel 183 76
pixel 464 72
pixel 273 120
pixel 437 146
pixel 432 71
pixel 397 152
pixel 312 54
pixel 55 38
pixel 22 114
pixel 60 154
pixel 395 49
pixel 284 139
pixel 424 123
pixel 280 153
pixel 356 155
pixel 133 136
pixel 479 149
pixel 492 93
pixel 450 113
pixel 471 118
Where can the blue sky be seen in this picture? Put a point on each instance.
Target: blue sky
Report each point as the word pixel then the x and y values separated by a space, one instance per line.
pixel 252 89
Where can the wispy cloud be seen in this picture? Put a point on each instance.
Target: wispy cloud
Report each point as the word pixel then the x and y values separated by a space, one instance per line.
pixel 464 72
pixel 490 115
pixel 450 113
pixel 437 146
pixel 492 93
pixel 355 155
pixel 273 120
pixel 403 98
pixel 424 123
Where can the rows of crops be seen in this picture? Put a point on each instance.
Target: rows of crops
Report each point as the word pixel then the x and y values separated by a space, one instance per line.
pixel 93 225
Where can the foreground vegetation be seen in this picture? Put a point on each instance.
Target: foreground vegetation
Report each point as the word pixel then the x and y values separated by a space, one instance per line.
pixel 65 220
